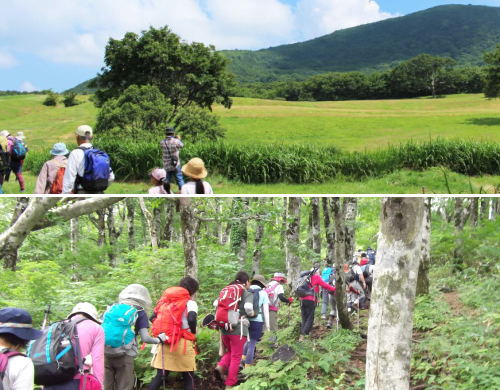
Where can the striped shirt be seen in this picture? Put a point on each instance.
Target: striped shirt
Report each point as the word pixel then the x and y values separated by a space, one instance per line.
pixel 171 147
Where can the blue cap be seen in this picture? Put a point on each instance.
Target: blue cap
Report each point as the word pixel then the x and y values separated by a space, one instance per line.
pixel 59 149
pixel 19 323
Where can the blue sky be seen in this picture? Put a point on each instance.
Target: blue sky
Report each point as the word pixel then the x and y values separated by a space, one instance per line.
pixel 60 43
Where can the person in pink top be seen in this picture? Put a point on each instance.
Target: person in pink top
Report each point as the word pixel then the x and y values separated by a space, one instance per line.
pixel 160 182
pixel 308 303
pixel 91 336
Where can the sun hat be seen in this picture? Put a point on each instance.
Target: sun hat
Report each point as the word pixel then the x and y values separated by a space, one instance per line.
pixel 84 131
pixel 279 277
pixel 259 280
pixel 170 130
pixel 159 174
pixel 4 133
pixel 19 323
pixel 135 294
pixel 20 135
pixel 195 169
pixel 59 149
pixel 86 309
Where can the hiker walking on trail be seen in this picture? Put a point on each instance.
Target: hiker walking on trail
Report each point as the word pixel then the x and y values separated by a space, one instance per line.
pixel 159 180
pixel 50 179
pixel 88 170
pixel 171 146
pixel 328 297
pixel 276 294
pixel 16 329
pixel 175 322
pixel 4 158
pixel 120 340
pixel 234 304
pixel 91 346
pixel 17 150
pixel 309 301
pixel 258 320
pixel 195 171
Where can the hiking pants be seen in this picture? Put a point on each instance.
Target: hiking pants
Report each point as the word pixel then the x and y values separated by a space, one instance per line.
pixel 157 383
pixel 17 168
pixel 307 311
pixel 177 176
pixel 71 385
pixel 2 174
pixel 328 299
pixel 119 372
pixel 232 358
pixel 273 320
pixel 255 332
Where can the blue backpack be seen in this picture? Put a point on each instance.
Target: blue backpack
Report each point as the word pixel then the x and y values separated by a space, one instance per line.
pixel 117 323
pixel 327 274
pixel 18 150
pixel 96 173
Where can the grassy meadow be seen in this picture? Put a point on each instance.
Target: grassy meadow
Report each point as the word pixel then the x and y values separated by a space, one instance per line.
pixel 348 125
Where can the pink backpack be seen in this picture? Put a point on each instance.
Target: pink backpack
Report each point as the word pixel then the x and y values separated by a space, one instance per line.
pixel 89 382
pixel 270 292
pixel 4 360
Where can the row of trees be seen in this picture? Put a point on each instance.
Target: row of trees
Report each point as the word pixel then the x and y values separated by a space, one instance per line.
pixel 423 75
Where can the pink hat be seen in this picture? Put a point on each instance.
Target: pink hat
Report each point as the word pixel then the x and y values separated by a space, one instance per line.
pixel 279 277
pixel 159 174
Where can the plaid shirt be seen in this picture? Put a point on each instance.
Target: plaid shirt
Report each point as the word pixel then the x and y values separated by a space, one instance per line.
pixel 170 147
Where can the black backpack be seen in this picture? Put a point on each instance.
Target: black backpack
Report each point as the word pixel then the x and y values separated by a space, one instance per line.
pixel 255 302
pixel 303 283
pixel 56 355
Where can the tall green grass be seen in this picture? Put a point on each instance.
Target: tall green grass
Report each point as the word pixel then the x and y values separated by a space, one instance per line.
pixel 133 159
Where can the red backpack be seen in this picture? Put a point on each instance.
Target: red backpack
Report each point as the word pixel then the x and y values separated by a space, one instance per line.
pixel 4 360
pixel 228 313
pixel 57 184
pixel 168 320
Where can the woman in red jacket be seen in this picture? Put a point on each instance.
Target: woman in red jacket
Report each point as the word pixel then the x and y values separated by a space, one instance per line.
pixel 308 303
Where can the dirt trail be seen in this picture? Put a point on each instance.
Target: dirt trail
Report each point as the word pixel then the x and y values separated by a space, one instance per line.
pixel 453 300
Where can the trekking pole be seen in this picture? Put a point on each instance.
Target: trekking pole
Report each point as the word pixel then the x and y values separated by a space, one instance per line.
pixel 46 316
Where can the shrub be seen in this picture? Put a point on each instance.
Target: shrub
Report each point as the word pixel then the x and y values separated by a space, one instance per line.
pixel 51 100
pixel 70 99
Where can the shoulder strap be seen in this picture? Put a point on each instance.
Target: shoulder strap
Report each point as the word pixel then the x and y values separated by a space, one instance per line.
pixel 78 351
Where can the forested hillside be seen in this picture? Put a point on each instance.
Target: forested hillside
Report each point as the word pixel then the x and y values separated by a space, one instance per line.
pixel 58 252
pixel 462 32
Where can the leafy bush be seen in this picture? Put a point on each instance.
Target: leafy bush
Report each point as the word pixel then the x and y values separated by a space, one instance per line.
pixel 51 100
pixel 70 99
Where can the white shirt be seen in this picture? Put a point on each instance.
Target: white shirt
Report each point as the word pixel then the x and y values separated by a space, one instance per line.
pixel 76 166
pixel 191 306
pixel 190 188
pixel 19 375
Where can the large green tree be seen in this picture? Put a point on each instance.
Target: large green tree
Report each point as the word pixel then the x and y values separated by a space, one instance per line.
pixel 185 73
pixel 492 86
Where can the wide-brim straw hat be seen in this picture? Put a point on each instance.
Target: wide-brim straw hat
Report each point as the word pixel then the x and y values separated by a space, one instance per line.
pixel 259 280
pixel 18 322
pixel 195 169
pixel 87 309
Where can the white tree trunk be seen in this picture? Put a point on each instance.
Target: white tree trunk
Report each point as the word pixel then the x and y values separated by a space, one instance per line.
pixel 189 226
pixel 73 235
pixel 149 220
pixel 293 240
pixel 393 297
pixel 329 230
pixel 316 229
pixel 423 271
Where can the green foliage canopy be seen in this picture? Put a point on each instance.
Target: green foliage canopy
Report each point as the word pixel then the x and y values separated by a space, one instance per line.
pixel 492 87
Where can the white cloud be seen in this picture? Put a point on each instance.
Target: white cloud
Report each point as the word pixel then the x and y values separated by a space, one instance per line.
pixel 76 32
pixel 7 60
pixel 26 86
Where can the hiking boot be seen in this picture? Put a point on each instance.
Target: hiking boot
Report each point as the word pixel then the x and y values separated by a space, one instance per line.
pixel 220 373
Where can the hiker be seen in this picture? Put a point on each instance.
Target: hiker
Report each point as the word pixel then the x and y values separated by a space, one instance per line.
pixel 17 150
pixel 16 329
pixel 171 146
pixel 276 293
pixel 371 255
pixel 234 304
pixel 309 301
pixel 175 321
pixel 159 180
pixel 4 158
pixel 260 318
pixel 91 345
pixel 195 170
pixel 78 177
pixel 50 178
pixel 328 298
pixel 356 286
pixel 121 346
pixel 368 270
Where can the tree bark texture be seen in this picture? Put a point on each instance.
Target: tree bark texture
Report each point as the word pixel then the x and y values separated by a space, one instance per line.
pixel 293 240
pixel 21 205
pixel 149 223
pixel 315 226
pixel 189 227
pixel 460 218
pixel 73 234
pixel 130 204
pixel 341 258
pixel 329 229
pixel 425 261
pixel 259 235
pixel 474 211
pixel 393 296
pixel 168 232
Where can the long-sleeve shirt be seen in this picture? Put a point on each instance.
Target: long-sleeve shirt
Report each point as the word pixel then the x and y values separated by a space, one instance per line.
pixel 91 337
pixel 76 167
pixel 317 282
pixel 48 174
pixel 19 374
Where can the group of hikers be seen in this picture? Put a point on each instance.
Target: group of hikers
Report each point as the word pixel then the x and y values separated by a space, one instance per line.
pixel 89 352
pixel 87 170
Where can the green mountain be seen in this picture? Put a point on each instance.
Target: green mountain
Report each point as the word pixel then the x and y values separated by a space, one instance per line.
pixel 462 32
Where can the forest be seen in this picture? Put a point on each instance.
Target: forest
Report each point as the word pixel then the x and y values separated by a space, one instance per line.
pixel 432 322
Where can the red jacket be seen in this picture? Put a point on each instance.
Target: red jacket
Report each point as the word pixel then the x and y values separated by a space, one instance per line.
pixel 317 282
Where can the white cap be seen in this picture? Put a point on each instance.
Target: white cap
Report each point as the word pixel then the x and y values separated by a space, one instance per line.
pixel 84 131
pixel 4 133
pixel 85 308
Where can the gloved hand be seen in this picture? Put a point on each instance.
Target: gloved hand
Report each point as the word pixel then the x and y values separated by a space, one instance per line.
pixel 162 337
pixel 290 300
